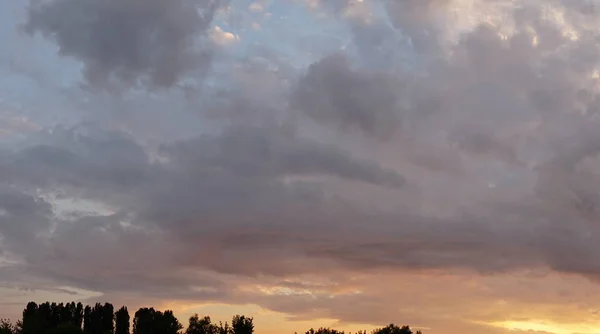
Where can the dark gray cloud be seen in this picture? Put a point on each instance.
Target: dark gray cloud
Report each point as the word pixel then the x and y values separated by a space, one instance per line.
pixel 478 143
pixel 351 99
pixel 22 216
pixel 225 195
pixel 197 190
pixel 132 42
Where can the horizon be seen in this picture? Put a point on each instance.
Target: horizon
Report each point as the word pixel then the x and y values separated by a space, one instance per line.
pixel 338 163
pixel 119 323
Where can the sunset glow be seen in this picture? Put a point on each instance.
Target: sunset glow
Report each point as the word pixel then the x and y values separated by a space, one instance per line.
pixel 548 327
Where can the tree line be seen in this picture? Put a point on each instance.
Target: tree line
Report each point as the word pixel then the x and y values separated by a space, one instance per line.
pixel 74 318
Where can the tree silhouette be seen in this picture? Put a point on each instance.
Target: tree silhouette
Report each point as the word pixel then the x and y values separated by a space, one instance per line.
pixel 30 319
pixel 87 320
pixel 224 328
pixel 199 325
pixel 53 318
pixel 150 321
pixel 242 325
pixel 324 330
pixel 98 319
pixel 77 316
pixel 6 327
pixel 122 321
pixel 389 329
pixel 168 323
pixel 44 316
pixel 393 329
pixel 50 318
pixel 107 319
pixel 65 328
pixel 143 321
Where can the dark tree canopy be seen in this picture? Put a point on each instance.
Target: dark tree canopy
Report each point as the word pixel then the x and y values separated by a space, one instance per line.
pixel 143 320
pixel 242 325
pixel 99 319
pixel 122 321
pixel 324 330
pixel 6 327
pixel 107 319
pixel 224 328
pixel 389 329
pixel 168 323
pixel 199 325
pixel 393 329
pixel 51 318
pixel 151 321
pixel 75 318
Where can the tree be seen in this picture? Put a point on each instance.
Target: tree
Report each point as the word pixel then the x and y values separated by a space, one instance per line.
pixel 324 330
pixel 107 319
pixel 30 319
pixel 87 320
pixel 50 318
pixel 143 321
pixel 99 319
pixel 6 327
pixel 60 318
pixel 65 313
pixel 77 315
pixel 150 321
pixel 393 329
pixel 44 316
pixel 122 321
pixel 201 326
pixel 65 328
pixel 96 319
pixel 18 327
pixel 242 325
pixel 169 323
pixel 224 328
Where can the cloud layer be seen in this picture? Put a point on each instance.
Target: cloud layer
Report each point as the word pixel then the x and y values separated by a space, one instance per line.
pixel 134 42
pixel 429 142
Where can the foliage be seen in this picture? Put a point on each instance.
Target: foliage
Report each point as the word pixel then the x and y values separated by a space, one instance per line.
pixel 151 321
pixel 393 329
pixel 242 325
pixel 199 325
pixel 6 327
pixel 224 328
pixel 98 319
pixel 51 318
pixel 72 318
pixel 324 330
pixel 66 328
pixel 122 321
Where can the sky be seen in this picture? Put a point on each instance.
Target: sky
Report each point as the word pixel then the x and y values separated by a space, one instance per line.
pixel 310 163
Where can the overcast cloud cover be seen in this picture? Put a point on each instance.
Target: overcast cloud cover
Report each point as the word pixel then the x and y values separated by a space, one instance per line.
pixel 430 162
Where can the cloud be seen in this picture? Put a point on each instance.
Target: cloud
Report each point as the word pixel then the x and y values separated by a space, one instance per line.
pixel 333 92
pixel 417 19
pixel 223 37
pixel 133 42
pixel 12 122
pixel 214 177
pixel 21 217
pixel 435 148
